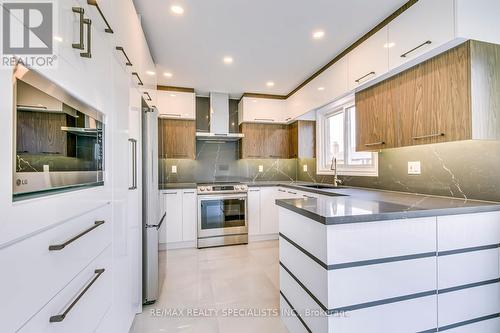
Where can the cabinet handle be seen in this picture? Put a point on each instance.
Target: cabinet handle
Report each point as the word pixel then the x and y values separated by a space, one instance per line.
pixel 148 95
pixel 179 155
pixel 275 156
pixel 170 115
pixel 364 76
pixel 428 42
pixel 292 192
pixel 374 144
pixel 134 164
pixel 263 119
pixel 88 54
pixel 138 78
pixel 81 12
pixel 108 27
pixel 60 317
pixel 58 247
pixel 280 190
pixel 188 192
pixel 427 136
pixel 308 197
pixel 253 190
pixel 122 50
pixel 255 156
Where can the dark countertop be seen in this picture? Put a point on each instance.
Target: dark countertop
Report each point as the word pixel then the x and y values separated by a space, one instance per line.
pixel 365 205
pixel 177 186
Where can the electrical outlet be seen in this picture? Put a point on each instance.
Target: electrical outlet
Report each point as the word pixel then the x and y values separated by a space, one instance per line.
pixel 46 168
pixel 304 167
pixel 174 168
pixel 261 168
pixel 414 168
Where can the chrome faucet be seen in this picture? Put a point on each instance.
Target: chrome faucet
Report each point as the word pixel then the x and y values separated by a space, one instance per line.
pixel 336 180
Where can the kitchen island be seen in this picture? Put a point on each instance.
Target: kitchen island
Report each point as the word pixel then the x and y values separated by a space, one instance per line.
pixel 375 261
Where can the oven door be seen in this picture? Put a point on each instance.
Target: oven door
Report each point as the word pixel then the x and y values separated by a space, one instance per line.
pixel 222 215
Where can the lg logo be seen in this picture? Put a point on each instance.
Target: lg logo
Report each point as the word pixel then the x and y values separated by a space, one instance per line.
pixel 27 28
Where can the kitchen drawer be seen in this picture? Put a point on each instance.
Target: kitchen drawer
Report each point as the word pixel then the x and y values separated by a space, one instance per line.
pixel 81 305
pixel 32 274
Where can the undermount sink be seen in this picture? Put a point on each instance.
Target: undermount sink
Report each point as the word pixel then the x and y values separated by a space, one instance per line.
pixel 318 186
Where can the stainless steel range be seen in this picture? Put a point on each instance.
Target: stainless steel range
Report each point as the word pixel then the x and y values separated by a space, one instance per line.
pixel 222 214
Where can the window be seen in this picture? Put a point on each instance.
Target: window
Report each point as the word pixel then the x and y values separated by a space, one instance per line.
pixel 337 139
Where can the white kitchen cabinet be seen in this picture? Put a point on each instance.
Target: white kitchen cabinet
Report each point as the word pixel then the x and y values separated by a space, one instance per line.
pixel 254 211
pixel 171 230
pixel 262 110
pixel 268 210
pixel 427 25
pixel 478 20
pixel 180 226
pixel 189 215
pixel 369 60
pixel 176 104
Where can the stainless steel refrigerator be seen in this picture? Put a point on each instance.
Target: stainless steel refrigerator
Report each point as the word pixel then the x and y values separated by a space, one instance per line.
pixel 151 217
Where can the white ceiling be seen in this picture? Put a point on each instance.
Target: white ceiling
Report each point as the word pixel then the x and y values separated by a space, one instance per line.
pixel 269 40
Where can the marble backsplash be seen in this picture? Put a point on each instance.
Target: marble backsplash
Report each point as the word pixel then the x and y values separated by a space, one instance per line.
pixel 465 169
pixel 220 162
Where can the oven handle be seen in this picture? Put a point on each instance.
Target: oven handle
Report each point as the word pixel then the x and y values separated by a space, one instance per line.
pixel 211 197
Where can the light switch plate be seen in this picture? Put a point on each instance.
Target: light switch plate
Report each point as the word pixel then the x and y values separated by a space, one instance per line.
pixel 261 168
pixel 414 168
pixel 304 167
pixel 174 168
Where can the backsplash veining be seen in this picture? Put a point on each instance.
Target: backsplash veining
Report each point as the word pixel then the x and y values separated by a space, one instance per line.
pixel 466 169
pixel 220 162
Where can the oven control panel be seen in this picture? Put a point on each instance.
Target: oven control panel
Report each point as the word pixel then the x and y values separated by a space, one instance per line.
pixel 226 188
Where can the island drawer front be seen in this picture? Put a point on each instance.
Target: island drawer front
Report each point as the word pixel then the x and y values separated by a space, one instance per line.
pixel 466 231
pixel 348 243
pixel 484 326
pixel 309 310
pixel 292 323
pixel 470 267
pixel 34 274
pixel 466 304
pixel 415 315
pixel 88 311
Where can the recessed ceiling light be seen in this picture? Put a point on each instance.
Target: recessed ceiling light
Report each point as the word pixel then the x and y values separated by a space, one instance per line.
pixel 228 60
pixel 318 34
pixel 150 73
pixel 172 95
pixel 389 45
pixel 270 84
pixel 321 88
pixel 167 74
pixel 177 10
pixel 58 39
pixel 254 100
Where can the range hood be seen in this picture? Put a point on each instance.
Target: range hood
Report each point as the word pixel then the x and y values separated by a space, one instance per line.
pixel 219 121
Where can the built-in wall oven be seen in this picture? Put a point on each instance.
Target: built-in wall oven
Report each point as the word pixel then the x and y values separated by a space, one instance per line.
pixel 222 215
pixel 58 140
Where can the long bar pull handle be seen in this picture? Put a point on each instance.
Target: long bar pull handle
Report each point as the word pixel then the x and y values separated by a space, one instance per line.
pixel 364 76
pixel 122 50
pixel 108 27
pixel 58 247
pixel 428 42
pixel 80 12
pixel 134 164
pixel 427 136
pixel 170 115
pixel 374 144
pixel 148 96
pixel 138 78
pixel 88 54
pixel 264 119
pixel 60 317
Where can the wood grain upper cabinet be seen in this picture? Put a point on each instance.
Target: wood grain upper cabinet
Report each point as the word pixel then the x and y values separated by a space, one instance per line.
pixel 434 99
pixel 302 139
pixel 451 97
pixel 264 141
pixel 176 104
pixel 369 60
pixel 376 117
pixel 408 38
pixel 177 138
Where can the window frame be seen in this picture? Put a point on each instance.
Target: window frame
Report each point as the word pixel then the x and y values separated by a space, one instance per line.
pixel 323 166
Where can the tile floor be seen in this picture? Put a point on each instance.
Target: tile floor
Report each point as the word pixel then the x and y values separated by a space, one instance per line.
pixel 215 281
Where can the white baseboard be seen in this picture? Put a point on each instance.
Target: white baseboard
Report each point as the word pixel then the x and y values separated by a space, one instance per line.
pixel 177 245
pixel 259 238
